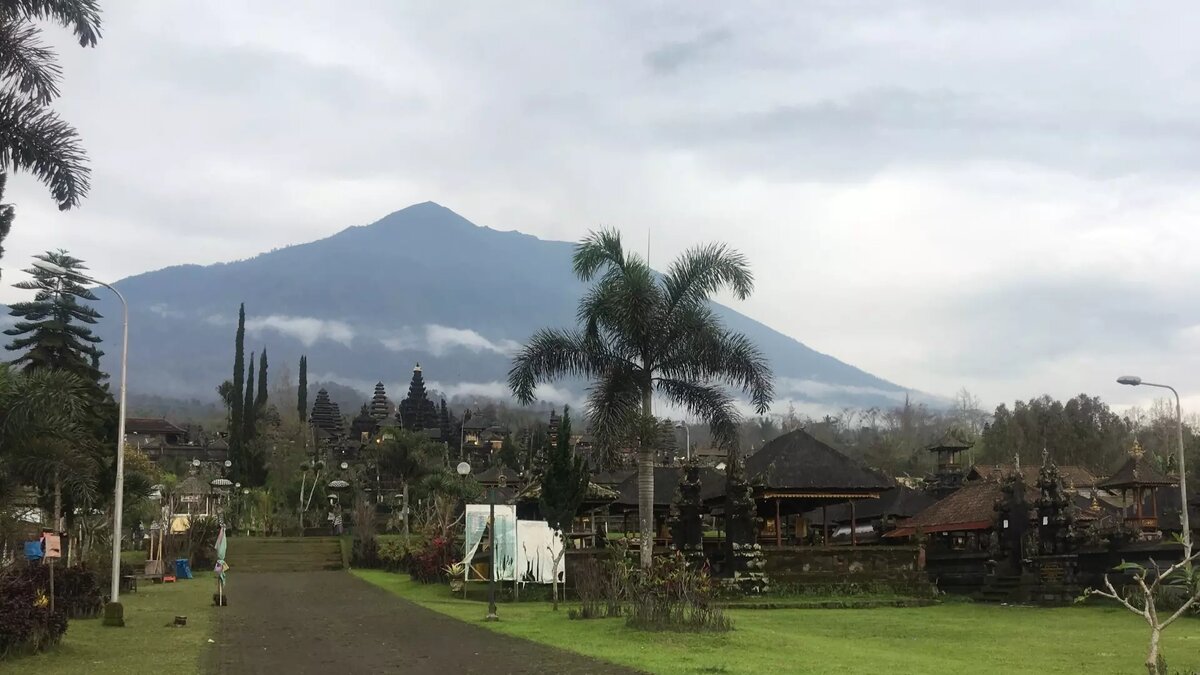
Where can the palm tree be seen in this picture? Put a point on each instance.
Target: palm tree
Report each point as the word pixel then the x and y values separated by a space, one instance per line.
pixel 32 136
pixel 642 334
pixel 407 457
pixel 46 435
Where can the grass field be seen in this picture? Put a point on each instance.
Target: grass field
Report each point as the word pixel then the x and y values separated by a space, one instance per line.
pixel 949 638
pixel 147 643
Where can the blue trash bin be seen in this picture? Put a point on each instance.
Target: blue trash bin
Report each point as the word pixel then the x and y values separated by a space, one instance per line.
pixel 33 550
pixel 183 570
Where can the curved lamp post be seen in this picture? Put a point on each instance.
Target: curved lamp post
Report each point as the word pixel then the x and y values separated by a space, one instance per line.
pixel 688 436
pixel 1134 381
pixel 114 613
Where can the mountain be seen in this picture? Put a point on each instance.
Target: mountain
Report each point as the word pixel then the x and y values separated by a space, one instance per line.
pixel 421 285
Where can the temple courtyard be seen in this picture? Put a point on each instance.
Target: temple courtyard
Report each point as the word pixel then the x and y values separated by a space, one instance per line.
pixel 371 621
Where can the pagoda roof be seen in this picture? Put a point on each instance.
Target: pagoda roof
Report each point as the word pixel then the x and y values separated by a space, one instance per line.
pixel 950 442
pixel 797 461
pixel 1138 471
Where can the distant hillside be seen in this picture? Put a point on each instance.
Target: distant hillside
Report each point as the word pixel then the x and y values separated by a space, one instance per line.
pixel 421 285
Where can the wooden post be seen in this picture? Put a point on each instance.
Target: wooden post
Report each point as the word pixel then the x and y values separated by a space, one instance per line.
pixel 853 526
pixel 778 525
pixel 1138 509
pixel 1154 504
pixel 824 525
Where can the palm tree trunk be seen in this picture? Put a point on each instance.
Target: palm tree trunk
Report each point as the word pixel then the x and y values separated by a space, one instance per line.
pixel 646 487
pixel 57 503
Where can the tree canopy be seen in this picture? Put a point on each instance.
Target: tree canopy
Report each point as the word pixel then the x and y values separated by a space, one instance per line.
pixel 33 137
pixel 641 335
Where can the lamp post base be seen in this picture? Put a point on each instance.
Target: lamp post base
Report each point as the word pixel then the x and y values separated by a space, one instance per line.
pixel 492 616
pixel 114 614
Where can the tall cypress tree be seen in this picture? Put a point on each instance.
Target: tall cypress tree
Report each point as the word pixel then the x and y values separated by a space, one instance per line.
pixel 302 393
pixel 248 416
pixel 239 379
pixel 260 399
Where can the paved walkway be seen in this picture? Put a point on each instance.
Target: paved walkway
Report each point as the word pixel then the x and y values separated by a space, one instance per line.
pixel 333 622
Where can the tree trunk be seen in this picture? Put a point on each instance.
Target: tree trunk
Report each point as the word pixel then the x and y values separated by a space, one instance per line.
pixel 646 487
pixel 554 584
pixel 1152 657
pixel 57 503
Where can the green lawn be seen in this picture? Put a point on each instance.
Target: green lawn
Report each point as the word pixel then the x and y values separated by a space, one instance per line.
pixel 147 643
pixel 949 638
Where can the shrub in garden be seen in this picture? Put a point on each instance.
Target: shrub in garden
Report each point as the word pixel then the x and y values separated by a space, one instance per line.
pixel 429 562
pixel 26 623
pixel 672 596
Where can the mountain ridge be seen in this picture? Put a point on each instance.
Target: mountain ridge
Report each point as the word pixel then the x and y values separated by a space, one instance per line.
pixel 421 284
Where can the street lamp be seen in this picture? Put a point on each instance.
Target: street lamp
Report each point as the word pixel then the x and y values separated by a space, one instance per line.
pixel 114 613
pixel 688 431
pixel 1133 381
pixel 501 480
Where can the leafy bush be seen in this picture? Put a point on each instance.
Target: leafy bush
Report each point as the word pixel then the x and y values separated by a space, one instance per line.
pixel 428 564
pixel 396 554
pixel 672 596
pixel 26 623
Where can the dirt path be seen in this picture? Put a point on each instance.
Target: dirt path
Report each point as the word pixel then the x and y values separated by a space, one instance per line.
pixel 332 622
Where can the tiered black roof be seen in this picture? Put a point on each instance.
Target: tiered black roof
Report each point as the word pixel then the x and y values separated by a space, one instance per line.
pixel 326 415
pixel 416 411
pixel 380 405
pixel 797 461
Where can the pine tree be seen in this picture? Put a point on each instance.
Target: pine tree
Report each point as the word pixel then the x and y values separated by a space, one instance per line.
pixel 564 486
pixel 239 379
pixel 55 333
pixel 248 416
pixel 260 398
pixel 302 392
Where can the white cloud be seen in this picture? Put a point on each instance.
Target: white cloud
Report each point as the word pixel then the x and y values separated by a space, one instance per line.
pixel 441 340
pixel 307 330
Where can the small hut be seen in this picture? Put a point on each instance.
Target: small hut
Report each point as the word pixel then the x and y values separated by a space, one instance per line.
pixel 796 473
pixel 1139 478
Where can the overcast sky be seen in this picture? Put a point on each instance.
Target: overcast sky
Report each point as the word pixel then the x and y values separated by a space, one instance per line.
pixel 997 196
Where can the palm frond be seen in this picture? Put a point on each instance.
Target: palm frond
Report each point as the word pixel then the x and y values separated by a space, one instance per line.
pixel 722 356
pixel 614 407
pixel 28 63
pixel 709 402
pixel 552 354
pixel 81 16
pixel 597 251
pixel 704 270
pixel 34 139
